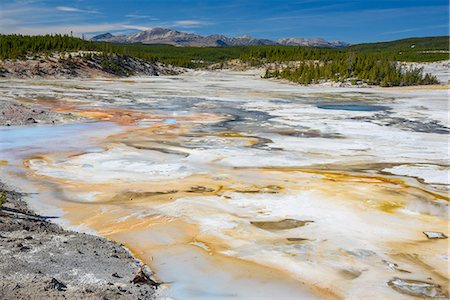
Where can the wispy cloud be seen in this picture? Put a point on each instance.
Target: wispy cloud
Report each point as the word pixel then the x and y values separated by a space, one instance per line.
pixel 74 9
pixel 188 24
pixel 35 18
pixel 67 8
pixel 416 29
pixel 137 16
pixel 77 30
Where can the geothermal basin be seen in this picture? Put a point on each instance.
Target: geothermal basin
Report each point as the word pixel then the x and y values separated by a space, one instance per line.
pixel 228 185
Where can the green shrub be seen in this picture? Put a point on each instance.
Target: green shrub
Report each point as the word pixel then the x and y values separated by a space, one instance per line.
pixel 2 198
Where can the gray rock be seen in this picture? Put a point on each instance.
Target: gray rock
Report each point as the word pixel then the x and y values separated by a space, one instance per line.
pixel 57 285
pixel 434 235
pixel 417 288
pixel 280 225
pixel 312 42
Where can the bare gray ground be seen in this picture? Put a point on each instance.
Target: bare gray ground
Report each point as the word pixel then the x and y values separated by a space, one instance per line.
pixel 40 260
pixel 61 65
pixel 16 113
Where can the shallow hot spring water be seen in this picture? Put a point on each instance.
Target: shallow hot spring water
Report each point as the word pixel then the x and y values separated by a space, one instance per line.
pixel 353 107
pixel 230 194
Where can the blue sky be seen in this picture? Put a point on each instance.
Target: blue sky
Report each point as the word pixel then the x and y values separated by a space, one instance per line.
pixel 347 20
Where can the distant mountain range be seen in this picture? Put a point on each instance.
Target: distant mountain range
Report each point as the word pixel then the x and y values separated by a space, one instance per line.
pixel 178 38
pixel 312 42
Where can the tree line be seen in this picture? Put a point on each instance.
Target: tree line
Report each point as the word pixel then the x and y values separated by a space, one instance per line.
pixel 19 46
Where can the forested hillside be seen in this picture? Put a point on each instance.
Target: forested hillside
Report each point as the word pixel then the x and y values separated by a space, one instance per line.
pixel 414 49
pixel 372 63
pixel 411 49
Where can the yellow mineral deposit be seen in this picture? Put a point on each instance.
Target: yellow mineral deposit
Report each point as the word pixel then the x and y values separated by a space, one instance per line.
pixel 341 224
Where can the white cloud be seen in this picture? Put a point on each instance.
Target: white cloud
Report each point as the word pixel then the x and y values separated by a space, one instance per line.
pixel 35 19
pixel 67 8
pixel 188 24
pixel 136 16
pixel 416 29
pixel 133 26
pixel 90 29
pixel 74 9
pixel 77 30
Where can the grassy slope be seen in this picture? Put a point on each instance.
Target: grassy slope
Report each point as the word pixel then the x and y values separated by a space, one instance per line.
pixel 410 49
